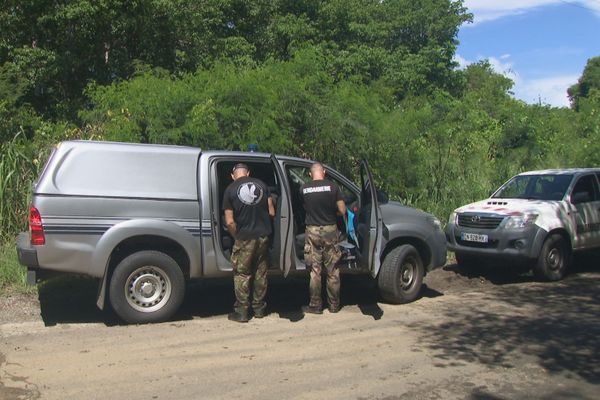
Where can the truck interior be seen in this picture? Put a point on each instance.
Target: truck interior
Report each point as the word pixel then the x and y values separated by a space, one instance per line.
pixel 297 175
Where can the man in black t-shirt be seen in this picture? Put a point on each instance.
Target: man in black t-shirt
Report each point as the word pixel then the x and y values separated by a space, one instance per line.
pixel 323 202
pixel 248 211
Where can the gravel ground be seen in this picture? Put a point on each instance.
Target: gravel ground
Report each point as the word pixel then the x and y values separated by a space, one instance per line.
pixel 18 307
pixel 490 334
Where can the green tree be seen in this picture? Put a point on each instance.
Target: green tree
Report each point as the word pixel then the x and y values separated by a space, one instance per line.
pixel 589 80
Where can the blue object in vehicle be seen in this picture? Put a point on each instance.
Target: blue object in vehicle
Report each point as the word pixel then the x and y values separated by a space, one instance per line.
pixel 350 227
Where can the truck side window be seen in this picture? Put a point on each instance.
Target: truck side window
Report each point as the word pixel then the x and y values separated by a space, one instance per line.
pixel 349 196
pixel 585 190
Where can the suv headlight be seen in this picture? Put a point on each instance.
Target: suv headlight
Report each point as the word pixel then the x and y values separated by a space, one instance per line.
pixel 435 222
pixel 520 221
pixel 452 219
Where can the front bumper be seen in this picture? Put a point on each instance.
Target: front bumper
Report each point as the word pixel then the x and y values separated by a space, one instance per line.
pixel 27 255
pixel 518 244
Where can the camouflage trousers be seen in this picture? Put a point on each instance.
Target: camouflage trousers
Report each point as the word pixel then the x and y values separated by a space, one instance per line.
pixel 320 250
pixel 250 259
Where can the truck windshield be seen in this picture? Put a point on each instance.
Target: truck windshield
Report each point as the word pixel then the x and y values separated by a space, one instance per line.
pixel 535 187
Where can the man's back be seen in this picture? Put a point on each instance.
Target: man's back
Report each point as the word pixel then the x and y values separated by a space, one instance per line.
pixel 248 198
pixel 320 201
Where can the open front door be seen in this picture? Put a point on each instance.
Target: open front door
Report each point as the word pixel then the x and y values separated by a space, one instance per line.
pixel 283 217
pixel 370 222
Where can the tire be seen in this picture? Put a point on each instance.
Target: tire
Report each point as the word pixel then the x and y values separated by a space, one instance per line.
pixel 147 286
pixel 553 261
pixel 401 275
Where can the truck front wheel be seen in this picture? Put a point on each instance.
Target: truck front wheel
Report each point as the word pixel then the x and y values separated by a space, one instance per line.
pixel 147 286
pixel 553 260
pixel 401 275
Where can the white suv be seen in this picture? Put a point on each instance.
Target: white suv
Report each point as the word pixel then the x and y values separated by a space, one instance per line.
pixel 537 218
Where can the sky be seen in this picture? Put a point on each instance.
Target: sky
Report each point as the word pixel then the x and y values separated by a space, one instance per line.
pixel 542 45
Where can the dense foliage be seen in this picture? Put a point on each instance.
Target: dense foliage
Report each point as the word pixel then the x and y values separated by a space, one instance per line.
pixel 333 80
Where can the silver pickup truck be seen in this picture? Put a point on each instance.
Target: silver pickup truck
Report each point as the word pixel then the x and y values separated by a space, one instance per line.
pixel 144 219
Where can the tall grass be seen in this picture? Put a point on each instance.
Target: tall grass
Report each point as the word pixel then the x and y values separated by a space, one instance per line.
pixel 12 274
pixel 17 171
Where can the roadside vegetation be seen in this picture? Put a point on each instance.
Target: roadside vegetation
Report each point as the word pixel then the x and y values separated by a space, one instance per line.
pixel 12 274
pixel 332 80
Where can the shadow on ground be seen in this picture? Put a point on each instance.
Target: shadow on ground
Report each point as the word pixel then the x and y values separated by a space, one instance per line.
pixel 72 299
pixel 285 297
pixel 570 394
pixel 556 324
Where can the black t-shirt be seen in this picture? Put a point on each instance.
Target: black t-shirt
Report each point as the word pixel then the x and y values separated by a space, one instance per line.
pixel 248 198
pixel 320 202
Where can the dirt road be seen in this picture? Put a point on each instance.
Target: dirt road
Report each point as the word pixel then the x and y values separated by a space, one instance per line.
pixel 476 335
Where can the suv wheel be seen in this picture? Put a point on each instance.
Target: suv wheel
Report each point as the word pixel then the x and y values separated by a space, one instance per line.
pixel 401 275
pixel 147 286
pixel 553 260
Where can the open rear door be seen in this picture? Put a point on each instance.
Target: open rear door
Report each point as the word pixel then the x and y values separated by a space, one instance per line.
pixel 283 217
pixel 370 222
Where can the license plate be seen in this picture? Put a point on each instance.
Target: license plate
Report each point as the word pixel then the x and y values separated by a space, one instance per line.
pixel 474 237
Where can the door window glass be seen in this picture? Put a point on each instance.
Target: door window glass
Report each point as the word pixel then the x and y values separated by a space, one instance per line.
pixel 585 190
pixel 535 187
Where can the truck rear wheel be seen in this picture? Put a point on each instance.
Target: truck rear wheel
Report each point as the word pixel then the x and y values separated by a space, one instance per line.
pixel 146 286
pixel 553 260
pixel 401 275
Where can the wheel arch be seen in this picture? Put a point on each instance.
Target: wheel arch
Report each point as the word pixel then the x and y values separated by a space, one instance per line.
pixel 419 244
pixel 150 242
pixel 565 235
pixel 541 238
pixel 142 242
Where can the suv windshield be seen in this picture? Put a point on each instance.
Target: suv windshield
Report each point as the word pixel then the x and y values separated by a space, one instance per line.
pixel 535 187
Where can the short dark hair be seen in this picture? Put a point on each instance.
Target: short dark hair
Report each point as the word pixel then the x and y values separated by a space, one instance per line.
pixel 240 165
pixel 317 164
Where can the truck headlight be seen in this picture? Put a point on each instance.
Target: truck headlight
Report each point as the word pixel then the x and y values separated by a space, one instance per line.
pixel 452 219
pixel 520 221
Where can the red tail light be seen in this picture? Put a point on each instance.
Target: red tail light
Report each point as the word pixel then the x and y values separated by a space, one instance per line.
pixel 35 227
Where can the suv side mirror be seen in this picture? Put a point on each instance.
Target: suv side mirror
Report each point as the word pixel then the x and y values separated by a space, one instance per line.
pixel 382 197
pixel 580 197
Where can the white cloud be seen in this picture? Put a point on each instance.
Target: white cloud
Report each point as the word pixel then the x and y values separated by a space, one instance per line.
pixel 504 66
pixel 501 65
pixel 462 62
pixel 488 10
pixel 549 90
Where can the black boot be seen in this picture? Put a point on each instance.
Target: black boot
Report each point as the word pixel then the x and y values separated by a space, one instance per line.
pixel 312 310
pixel 333 309
pixel 239 316
pixel 260 312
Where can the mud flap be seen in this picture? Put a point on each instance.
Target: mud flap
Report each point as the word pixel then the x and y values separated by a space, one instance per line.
pixel 102 293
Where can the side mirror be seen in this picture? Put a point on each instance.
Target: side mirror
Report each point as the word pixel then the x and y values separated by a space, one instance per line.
pixel 580 197
pixel 382 197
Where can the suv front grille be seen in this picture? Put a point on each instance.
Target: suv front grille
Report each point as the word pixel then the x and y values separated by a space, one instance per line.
pixel 479 221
